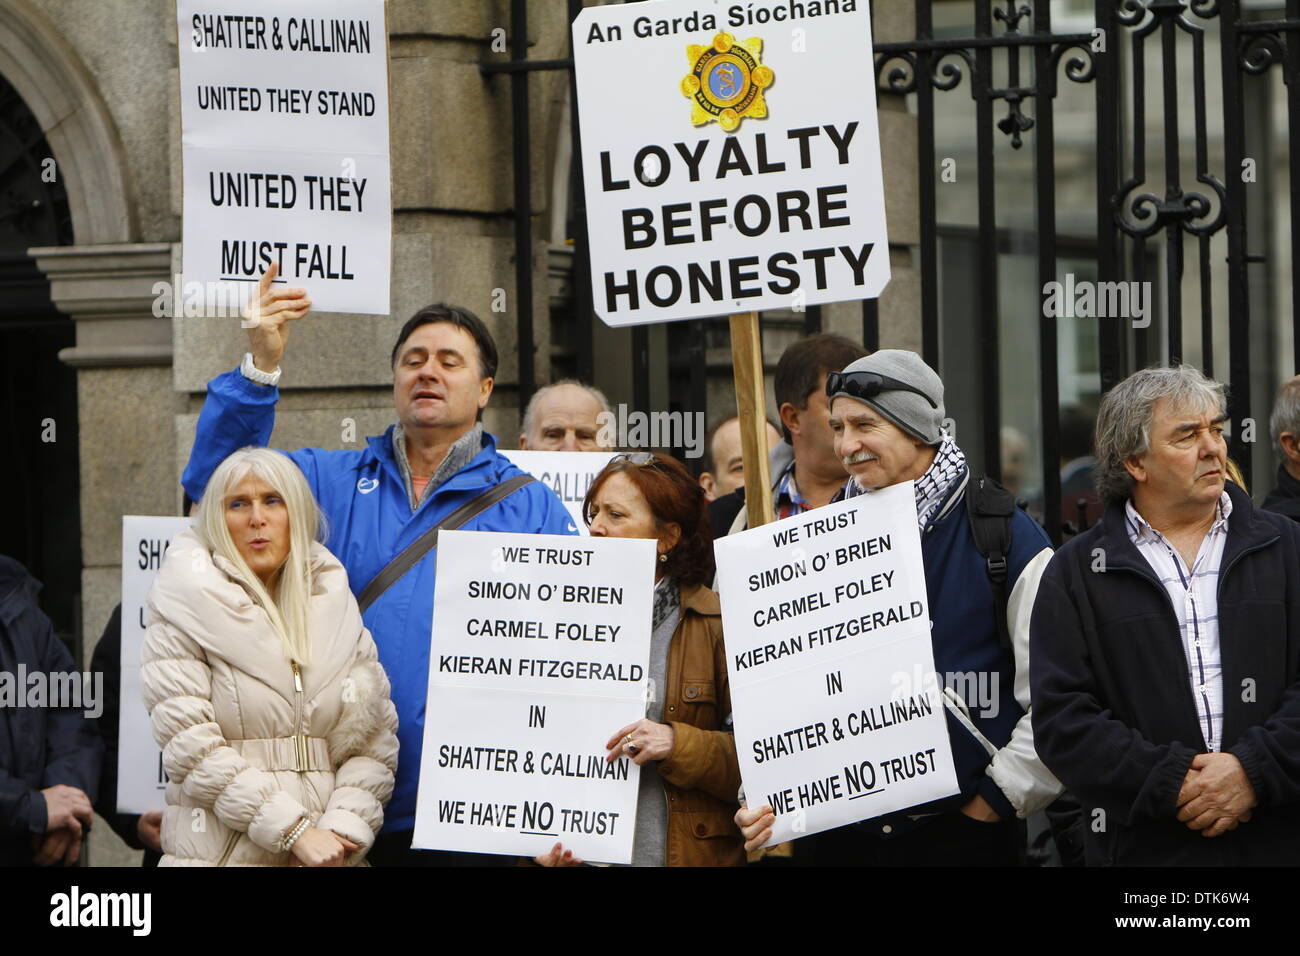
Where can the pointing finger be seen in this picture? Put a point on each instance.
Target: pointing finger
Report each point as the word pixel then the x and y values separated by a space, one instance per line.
pixel 268 277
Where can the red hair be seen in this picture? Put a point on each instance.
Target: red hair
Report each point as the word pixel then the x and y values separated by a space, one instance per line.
pixel 676 498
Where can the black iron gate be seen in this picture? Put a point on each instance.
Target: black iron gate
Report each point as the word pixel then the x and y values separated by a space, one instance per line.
pixel 1012 65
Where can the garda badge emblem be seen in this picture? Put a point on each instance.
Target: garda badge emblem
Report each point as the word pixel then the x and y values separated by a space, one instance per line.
pixel 726 81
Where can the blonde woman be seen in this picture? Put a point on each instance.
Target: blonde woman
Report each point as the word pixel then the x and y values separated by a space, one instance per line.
pixel 263 686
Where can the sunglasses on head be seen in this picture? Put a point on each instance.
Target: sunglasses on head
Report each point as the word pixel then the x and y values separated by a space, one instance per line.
pixel 867 385
pixel 635 458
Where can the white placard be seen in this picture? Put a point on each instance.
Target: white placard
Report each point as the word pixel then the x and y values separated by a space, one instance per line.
pixel 539 654
pixel 693 212
pixel 284 118
pixel 838 716
pixel 568 473
pixel 141 782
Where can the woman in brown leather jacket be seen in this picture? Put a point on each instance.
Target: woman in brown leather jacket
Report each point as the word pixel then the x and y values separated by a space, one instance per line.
pixel 689 773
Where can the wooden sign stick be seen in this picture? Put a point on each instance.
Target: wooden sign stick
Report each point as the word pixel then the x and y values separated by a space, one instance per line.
pixel 751 408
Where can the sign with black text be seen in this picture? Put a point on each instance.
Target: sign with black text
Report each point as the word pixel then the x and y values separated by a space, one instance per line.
pixel 141 782
pixel 568 473
pixel 284 118
pixel 539 655
pixel 838 715
pixel 730 157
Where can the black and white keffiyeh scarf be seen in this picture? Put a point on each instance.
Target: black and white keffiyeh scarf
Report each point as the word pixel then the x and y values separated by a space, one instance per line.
pixel 931 488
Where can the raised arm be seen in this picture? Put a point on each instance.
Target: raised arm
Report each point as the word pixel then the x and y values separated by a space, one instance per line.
pixel 239 411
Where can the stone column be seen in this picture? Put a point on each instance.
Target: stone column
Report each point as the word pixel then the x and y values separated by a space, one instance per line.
pixel 900 303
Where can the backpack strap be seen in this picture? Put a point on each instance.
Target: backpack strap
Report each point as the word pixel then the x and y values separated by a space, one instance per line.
pixel 429 540
pixel 990 507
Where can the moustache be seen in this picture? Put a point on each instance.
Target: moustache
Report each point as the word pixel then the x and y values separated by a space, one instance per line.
pixel 858 458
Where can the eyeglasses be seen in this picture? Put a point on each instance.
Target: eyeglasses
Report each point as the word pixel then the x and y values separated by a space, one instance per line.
pixel 867 385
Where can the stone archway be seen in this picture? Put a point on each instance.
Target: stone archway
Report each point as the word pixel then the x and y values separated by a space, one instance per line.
pixel 65 100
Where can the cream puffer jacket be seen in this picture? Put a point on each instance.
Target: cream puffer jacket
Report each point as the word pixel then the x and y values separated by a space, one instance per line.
pixel 249 745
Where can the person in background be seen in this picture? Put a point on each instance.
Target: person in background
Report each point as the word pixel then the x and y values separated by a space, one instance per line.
pixel 1015 452
pixel 564 416
pixel 806 473
pixel 263 686
pixel 724 466
pixel 49 755
pixel 1077 464
pixel 139 831
pixel 1165 647
pixel 1284 427
pixel 689 772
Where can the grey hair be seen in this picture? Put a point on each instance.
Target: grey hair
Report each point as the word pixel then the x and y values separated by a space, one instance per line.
pixel 1124 420
pixel 1286 413
pixel 531 411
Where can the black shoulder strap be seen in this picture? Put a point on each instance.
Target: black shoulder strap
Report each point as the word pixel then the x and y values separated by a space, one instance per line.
pixel 990 507
pixel 429 540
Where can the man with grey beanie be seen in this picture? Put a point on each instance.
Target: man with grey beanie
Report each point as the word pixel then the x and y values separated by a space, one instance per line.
pixel 887 416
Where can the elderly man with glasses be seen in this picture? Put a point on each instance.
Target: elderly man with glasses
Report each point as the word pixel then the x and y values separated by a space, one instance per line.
pixel 887 417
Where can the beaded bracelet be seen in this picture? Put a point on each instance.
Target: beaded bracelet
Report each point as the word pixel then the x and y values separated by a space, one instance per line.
pixel 296 832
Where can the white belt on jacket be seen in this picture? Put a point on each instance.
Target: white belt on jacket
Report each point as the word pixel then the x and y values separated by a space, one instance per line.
pixel 284 753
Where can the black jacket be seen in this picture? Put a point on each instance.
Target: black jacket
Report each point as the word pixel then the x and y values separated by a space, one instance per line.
pixel 1113 712
pixel 1285 498
pixel 39 746
pixel 107 660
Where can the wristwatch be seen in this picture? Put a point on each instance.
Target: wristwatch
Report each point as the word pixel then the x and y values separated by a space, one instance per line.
pixel 255 374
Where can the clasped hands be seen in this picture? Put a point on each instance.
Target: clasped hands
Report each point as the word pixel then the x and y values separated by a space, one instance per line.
pixel 1216 796
pixel 68 814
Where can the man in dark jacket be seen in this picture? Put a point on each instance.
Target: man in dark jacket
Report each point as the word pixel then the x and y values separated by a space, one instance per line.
pixel 1165 645
pixel 887 416
pixel 1284 427
pixel 49 752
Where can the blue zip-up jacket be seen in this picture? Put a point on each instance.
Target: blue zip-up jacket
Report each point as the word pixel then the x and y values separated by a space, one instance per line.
pixel 370 523
pixel 986 688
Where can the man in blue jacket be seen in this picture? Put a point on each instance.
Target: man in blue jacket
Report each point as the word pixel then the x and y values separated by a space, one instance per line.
pixel 380 500
pixel 49 750
pixel 886 415
pixel 1166 645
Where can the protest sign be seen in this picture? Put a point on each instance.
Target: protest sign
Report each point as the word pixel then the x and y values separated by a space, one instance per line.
pixel 825 621
pixel 284 119
pixel 539 654
pixel 141 781
pixel 568 473
pixel 731 157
